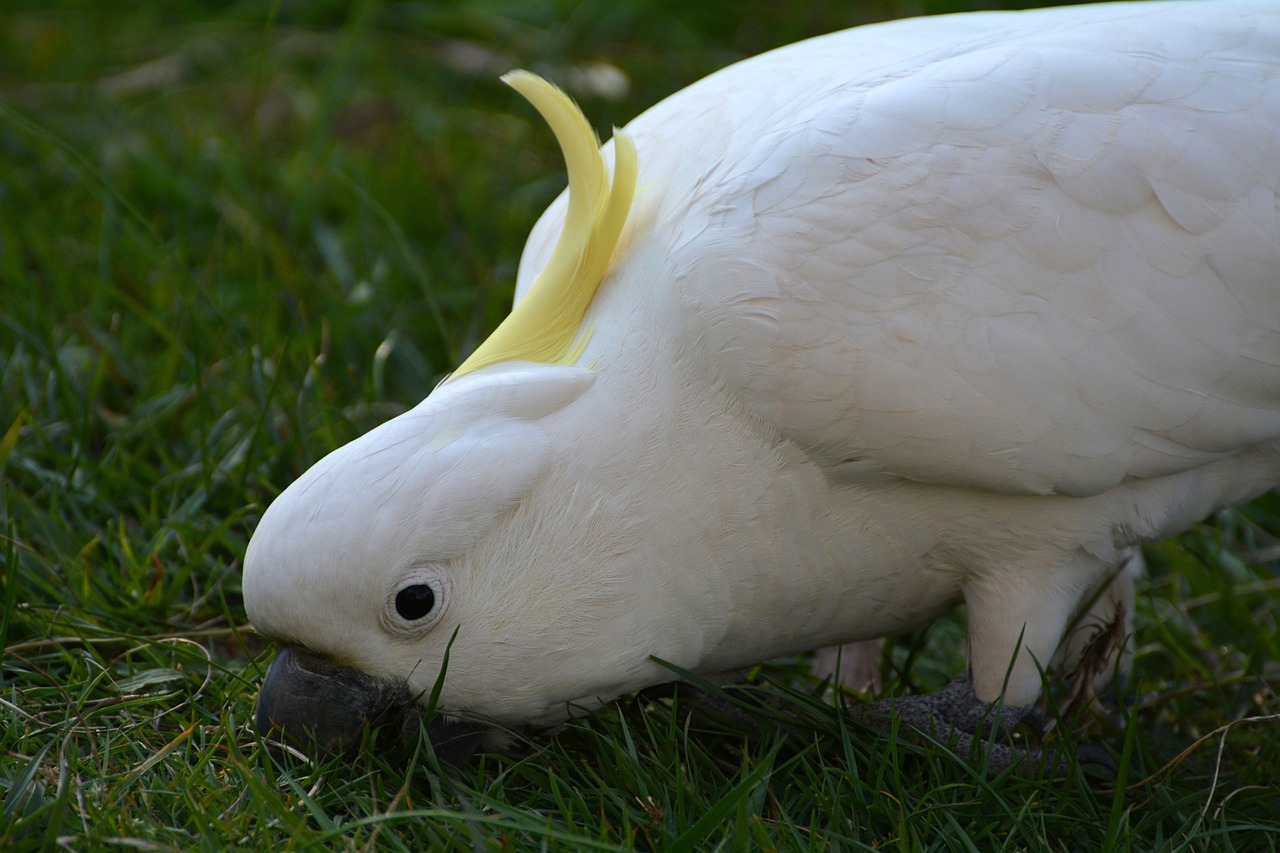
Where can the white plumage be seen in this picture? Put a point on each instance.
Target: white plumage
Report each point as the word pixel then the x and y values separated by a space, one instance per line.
pixel 958 308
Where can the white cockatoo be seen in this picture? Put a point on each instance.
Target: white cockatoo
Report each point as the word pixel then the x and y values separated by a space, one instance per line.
pixel 952 309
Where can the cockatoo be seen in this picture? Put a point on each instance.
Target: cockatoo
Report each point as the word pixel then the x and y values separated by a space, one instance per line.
pixel 952 309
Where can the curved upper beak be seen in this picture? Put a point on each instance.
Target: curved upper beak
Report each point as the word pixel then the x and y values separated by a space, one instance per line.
pixel 322 707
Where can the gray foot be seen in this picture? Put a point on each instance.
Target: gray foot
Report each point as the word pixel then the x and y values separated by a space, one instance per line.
pixel 976 730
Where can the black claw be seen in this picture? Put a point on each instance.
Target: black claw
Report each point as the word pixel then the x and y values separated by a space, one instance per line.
pixel 1095 756
pixel 455 742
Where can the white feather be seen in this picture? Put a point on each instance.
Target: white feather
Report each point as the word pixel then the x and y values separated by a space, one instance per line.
pixel 946 309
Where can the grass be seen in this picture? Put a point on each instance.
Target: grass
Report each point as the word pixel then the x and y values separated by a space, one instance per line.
pixel 234 236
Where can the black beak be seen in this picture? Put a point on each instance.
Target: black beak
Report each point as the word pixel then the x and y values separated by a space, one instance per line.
pixel 323 708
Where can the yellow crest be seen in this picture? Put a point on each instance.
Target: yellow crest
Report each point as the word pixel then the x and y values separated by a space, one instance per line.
pixel 546 326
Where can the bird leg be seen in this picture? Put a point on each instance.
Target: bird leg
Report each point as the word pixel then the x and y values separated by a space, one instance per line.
pixel 1015 627
pixel 854 666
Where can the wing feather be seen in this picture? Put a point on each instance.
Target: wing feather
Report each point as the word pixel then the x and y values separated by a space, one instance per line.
pixel 1041 263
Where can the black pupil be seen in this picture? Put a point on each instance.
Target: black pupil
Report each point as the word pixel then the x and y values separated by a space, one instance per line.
pixel 414 602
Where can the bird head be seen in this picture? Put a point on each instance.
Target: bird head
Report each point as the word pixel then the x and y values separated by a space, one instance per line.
pixel 453 533
pixel 447 533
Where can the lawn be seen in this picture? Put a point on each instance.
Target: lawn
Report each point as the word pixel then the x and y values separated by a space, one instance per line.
pixel 234 236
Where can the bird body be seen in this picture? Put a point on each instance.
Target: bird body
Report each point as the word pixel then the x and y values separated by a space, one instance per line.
pixel 951 309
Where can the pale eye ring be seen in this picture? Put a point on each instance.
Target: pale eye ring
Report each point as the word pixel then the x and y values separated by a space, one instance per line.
pixel 416 602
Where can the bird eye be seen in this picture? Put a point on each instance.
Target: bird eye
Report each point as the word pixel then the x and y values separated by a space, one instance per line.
pixel 414 602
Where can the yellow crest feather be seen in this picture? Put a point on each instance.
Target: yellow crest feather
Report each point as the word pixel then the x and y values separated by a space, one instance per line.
pixel 546 326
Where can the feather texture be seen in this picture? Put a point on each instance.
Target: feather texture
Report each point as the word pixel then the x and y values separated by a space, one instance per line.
pixel 949 309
